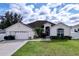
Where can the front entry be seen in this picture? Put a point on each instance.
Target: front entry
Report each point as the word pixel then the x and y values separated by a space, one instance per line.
pixel 47 31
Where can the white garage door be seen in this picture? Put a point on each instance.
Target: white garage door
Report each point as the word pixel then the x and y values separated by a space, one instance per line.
pixel 21 35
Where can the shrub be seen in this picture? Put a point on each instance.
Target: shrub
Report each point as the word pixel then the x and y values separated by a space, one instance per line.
pixel 67 37
pixel 30 38
pixel 10 37
pixel 5 37
pixel 43 35
pixel 63 37
pixel 35 36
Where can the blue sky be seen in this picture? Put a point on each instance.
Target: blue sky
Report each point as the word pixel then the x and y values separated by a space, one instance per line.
pixel 69 12
pixel 6 6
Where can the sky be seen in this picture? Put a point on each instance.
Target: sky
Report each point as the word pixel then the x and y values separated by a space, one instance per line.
pixel 67 13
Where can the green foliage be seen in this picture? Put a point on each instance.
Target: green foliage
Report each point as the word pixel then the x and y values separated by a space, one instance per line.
pixel 39 31
pixel 9 19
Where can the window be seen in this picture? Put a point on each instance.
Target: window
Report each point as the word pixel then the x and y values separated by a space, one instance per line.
pixel 76 30
pixel 60 32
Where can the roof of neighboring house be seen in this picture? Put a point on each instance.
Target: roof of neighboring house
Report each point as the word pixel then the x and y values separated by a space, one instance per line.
pixel 39 23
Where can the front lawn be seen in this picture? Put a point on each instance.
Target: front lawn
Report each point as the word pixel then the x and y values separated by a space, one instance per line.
pixel 49 48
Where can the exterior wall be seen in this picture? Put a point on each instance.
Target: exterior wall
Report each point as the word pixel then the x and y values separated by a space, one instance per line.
pixel 53 30
pixel 75 35
pixel 19 27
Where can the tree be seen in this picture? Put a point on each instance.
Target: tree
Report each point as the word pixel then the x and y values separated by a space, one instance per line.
pixel 9 19
pixel 39 31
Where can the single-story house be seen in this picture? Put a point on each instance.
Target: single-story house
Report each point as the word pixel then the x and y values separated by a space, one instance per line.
pixel 26 31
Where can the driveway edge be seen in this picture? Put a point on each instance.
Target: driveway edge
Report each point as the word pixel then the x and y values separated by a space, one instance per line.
pixel 19 47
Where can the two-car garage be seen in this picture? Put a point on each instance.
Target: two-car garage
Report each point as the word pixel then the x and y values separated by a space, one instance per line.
pixel 20 31
pixel 21 35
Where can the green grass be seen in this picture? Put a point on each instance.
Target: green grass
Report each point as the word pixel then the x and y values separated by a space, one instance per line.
pixel 49 48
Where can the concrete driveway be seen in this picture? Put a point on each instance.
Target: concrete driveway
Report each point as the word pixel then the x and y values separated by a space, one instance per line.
pixel 7 48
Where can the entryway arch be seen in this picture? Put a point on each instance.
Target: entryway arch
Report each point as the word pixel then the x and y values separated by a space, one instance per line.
pixel 47 31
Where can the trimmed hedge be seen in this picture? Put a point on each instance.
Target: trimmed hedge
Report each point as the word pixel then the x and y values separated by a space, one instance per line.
pixel 63 37
pixel 10 37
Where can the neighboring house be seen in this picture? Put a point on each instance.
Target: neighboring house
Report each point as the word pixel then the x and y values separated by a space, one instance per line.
pixel 20 31
pixel 75 32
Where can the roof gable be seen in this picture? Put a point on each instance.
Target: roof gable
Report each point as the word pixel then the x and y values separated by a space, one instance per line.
pixel 61 24
pixel 18 27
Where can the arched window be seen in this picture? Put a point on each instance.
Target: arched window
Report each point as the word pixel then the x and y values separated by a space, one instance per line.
pixel 60 32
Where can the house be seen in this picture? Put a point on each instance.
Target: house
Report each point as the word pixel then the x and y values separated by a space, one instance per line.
pixel 26 31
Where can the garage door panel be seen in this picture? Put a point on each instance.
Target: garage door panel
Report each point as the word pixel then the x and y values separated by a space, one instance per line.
pixel 22 35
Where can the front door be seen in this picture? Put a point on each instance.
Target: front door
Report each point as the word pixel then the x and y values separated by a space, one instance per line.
pixel 47 31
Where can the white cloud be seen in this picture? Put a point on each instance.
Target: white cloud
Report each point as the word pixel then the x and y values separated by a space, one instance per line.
pixel 52 5
pixel 69 7
pixel 25 11
pixel 29 14
pixel 44 9
pixel 66 8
